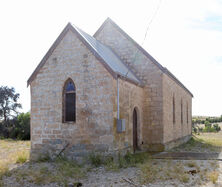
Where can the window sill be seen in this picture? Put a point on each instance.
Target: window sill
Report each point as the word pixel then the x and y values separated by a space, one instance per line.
pixel 68 122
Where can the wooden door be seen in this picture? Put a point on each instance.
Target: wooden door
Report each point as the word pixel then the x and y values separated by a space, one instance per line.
pixel 135 139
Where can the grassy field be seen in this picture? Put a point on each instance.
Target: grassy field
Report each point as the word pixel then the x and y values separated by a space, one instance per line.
pixel 204 142
pixel 13 152
pixel 17 170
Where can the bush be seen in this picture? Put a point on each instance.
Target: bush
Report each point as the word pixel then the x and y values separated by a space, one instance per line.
pixel 216 127
pixel 16 128
pixel 23 126
pixel 207 124
pixel 200 129
pixel 209 128
pixel 195 130
pixel 96 159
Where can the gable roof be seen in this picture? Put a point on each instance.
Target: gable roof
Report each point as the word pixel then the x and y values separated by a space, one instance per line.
pixel 163 69
pixel 103 53
pixel 110 58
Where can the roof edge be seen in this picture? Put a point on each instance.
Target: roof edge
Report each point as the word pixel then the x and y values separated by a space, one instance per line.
pixel 68 27
pixel 154 61
pixel 49 52
pixel 174 78
pixel 125 78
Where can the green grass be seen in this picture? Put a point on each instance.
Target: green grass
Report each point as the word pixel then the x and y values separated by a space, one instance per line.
pixel 111 163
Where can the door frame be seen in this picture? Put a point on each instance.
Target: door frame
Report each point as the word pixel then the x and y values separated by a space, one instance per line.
pixel 135 129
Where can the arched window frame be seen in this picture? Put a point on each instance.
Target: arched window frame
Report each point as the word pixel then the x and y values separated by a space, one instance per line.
pixel 174 116
pixel 187 114
pixel 64 103
pixel 181 111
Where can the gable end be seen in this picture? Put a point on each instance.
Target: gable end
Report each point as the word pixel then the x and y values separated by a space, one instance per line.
pixel 163 69
pixel 55 44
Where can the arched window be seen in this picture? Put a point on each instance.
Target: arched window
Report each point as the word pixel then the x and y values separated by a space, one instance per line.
pixel 69 101
pixel 174 117
pixel 187 112
pixel 181 111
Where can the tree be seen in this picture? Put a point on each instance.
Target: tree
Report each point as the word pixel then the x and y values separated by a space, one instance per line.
pixel 8 103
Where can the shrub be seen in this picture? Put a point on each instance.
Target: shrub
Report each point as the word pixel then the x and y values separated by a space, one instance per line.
pixel 16 128
pixel 207 124
pixel 95 159
pixel 209 129
pixel 216 127
pixel 195 130
pixel 200 129
pixel 23 126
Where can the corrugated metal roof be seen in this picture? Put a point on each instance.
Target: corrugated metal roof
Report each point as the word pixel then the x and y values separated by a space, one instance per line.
pixel 110 58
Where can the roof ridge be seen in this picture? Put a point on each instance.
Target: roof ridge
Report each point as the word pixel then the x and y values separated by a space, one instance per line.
pixel 154 61
pixel 80 34
pixel 124 64
pixel 129 69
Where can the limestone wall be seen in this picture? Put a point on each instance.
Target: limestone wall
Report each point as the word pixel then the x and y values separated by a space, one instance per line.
pixel 94 96
pixel 146 71
pixel 130 96
pixel 181 127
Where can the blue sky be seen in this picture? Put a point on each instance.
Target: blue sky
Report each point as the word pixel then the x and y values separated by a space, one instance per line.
pixel 185 36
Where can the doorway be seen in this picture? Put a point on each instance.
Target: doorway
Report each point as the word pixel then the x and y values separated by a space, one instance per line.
pixel 135 130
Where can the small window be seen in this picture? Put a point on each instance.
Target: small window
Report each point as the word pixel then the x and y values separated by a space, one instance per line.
pixel 181 111
pixel 69 102
pixel 174 119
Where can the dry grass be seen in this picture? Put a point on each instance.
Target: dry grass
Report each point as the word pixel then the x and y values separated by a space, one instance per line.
pixel 12 152
pixel 214 139
pixel 63 171
pixel 22 157
pixel 213 176
pixel 205 142
pixel 179 172
pixel 153 171
pixel 60 172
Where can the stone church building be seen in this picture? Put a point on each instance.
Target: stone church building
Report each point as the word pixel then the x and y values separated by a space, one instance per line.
pixel 104 93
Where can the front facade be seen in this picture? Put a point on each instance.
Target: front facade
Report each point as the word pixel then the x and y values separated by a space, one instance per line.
pixel 74 97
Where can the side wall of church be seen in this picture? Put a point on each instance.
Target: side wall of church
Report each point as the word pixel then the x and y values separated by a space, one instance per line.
pixel 146 71
pixel 178 128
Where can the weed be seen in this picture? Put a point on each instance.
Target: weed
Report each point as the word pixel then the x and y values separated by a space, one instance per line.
pixel 192 164
pixel 22 157
pixel 95 159
pixel 44 158
pixel 213 176
pixel 184 178
pixel 149 172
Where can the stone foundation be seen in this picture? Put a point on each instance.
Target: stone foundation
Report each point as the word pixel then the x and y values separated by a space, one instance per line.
pixel 177 142
pixel 168 145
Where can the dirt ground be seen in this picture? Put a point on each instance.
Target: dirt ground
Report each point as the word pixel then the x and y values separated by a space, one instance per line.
pixel 17 170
